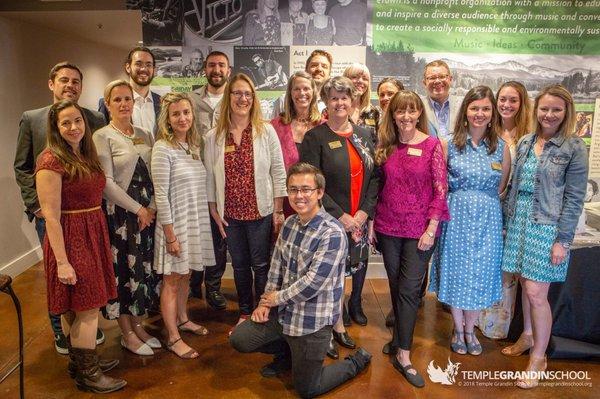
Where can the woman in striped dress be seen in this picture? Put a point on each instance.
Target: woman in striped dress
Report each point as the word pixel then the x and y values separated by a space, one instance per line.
pixel 183 239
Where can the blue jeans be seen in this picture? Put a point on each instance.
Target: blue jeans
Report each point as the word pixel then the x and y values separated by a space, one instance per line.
pixel 40 229
pixel 249 243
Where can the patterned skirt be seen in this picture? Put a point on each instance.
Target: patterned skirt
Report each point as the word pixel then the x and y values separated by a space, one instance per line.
pixel 138 286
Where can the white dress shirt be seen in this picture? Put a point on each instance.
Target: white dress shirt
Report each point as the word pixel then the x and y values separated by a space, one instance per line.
pixel 143 112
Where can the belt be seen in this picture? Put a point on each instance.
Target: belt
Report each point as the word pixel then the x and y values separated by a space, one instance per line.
pixel 81 210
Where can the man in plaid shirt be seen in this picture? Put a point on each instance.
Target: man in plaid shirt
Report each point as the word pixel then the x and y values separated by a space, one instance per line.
pixel 294 318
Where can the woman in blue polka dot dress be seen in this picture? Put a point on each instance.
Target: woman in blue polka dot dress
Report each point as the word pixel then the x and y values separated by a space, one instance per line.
pixel 466 270
pixel 543 206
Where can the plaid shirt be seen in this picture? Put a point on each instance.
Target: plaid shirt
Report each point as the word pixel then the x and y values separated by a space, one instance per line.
pixel 307 270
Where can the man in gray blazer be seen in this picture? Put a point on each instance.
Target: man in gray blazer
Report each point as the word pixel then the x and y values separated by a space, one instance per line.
pixel 65 84
pixel 207 102
pixel 440 110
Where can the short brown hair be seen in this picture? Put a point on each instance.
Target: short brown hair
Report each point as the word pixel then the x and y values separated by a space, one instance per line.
pixel 62 65
pixel 436 63
pixel 303 168
pixel 318 52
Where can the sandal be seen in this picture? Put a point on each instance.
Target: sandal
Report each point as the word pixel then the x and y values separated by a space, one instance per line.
pixel 523 344
pixel 473 348
pixel 458 346
pixel 537 364
pixel 191 354
pixel 201 330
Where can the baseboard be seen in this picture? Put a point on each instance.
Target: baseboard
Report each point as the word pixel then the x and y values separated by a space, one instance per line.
pixel 22 263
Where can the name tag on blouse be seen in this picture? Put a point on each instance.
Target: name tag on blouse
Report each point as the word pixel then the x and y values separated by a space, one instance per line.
pixel 335 144
pixel 229 148
pixel 496 166
pixel 138 141
pixel 370 122
pixel 415 152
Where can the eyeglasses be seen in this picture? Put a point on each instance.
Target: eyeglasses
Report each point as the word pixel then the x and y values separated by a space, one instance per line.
pixel 436 77
pixel 239 94
pixel 304 190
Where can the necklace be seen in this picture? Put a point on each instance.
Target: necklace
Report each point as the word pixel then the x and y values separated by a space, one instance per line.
pixel 129 136
pixel 187 150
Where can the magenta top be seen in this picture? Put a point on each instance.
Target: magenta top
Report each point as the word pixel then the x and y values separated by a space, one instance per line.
pixel 286 139
pixel 413 190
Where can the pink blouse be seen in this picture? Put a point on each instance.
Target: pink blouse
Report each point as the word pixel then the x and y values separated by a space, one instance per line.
pixel 286 138
pixel 413 190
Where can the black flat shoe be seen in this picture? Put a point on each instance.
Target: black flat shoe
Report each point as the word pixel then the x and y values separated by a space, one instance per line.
pixel 344 339
pixel 390 319
pixel 346 316
pixel 388 349
pixel 357 315
pixel 216 300
pixel 332 351
pixel 278 366
pixel 414 379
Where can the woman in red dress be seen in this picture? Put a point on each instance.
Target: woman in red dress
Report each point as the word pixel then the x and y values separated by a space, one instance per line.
pixel 77 258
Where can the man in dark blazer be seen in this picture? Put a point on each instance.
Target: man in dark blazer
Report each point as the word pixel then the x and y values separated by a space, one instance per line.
pixel 65 84
pixel 139 66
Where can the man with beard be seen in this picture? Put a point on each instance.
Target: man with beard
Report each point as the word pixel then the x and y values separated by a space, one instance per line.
pixel 139 66
pixel 318 65
pixel 65 83
pixel 207 102
pixel 441 112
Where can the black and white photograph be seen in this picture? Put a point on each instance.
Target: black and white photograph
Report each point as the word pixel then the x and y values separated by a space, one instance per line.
pixel 162 21
pixel 350 17
pixel 192 62
pixel 168 61
pixel 267 66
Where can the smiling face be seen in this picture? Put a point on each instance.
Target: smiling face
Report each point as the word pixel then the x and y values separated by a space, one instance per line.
pixel 319 68
pixel 385 93
pixel 241 98
pixel 71 126
pixel 305 205
pixel 406 120
pixel 338 104
pixel 437 81
pixel 66 85
pixel 361 82
pixel 141 68
pixel 120 104
pixel 302 92
pixel 479 114
pixel 509 103
pixel 181 117
pixel 217 70
pixel 550 113
pixel 319 6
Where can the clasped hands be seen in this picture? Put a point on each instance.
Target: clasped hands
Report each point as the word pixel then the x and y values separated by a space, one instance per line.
pixel 267 301
pixel 145 217
pixel 354 224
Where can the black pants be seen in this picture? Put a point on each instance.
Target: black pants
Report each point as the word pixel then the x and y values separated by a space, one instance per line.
pixel 307 352
pixel 406 267
pixel 249 244
pixel 212 275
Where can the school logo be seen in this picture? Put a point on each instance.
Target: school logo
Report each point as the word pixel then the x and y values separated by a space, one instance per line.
pixel 444 377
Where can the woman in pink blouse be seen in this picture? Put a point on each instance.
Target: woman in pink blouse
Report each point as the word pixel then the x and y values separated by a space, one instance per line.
pixel 411 203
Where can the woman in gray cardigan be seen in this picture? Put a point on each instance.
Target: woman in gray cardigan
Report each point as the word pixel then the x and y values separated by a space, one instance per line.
pixel 124 151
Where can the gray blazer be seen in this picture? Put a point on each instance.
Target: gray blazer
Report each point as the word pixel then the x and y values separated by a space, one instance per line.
pixel 30 143
pixel 433 124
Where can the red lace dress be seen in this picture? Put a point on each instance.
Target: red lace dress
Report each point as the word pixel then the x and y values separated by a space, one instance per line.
pixel 86 243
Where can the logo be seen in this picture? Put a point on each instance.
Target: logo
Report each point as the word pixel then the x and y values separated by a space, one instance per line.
pixel 444 377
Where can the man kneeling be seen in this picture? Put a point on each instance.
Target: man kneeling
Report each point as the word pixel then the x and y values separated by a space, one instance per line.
pixel 294 318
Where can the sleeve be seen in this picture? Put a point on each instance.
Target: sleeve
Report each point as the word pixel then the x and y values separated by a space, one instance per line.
pixel 277 171
pixel 310 152
pixel 275 277
pixel 438 207
pixel 209 162
pixel 47 160
pixel 112 191
pixel 24 165
pixel 370 198
pixel 161 177
pixel 328 258
pixel 575 187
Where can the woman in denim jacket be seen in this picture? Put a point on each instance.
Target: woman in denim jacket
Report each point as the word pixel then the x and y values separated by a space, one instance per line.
pixel 544 202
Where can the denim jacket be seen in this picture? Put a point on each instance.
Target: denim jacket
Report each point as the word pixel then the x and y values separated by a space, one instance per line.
pixel 560 183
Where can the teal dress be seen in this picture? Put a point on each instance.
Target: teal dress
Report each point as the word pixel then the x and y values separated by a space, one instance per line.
pixel 466 269
pixel 528 244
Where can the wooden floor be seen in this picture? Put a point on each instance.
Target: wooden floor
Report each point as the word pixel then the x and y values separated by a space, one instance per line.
pixel 220 372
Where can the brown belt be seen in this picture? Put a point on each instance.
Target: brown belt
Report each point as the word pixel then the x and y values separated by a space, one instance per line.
pixel 81 210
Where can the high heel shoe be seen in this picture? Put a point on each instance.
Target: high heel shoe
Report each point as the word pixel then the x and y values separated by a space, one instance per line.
pixel 537 364
pixel 523 344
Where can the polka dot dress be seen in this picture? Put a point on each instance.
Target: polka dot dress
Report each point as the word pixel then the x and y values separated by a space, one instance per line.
pixel 466 269
pixel 528 244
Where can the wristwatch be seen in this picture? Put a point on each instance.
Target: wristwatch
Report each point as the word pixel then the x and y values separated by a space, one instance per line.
pixel 430 234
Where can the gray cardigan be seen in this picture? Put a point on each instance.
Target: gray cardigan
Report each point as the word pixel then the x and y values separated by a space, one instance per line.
pixel 119 156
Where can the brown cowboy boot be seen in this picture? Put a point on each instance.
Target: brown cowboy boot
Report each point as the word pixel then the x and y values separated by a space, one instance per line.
pixel 105 365
pixel 89 377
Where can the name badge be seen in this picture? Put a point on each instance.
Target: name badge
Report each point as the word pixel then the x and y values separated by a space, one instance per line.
pixel 138 140
pixel 415 152
pixel 370 122
pixel 496 166
pixel 335 144
pixel 229 148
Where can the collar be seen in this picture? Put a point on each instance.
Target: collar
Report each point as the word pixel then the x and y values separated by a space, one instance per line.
pixel 557 140
pixel 485 141
pixel 313 223
pixel 147 99
pixel 437 106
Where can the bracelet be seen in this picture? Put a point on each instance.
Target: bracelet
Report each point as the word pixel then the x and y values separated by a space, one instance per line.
pixel 280 211
pixel 171 242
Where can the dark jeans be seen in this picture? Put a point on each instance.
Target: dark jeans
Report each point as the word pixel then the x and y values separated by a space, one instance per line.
pixel 40 229
pixel 212 275
pixel 311 378
pixel 249 244
pixel 406 267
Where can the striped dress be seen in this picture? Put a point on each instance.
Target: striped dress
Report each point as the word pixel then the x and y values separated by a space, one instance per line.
pixel 180 195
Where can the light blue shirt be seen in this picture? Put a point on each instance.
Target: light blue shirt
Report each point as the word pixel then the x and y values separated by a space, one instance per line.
pixel 442 114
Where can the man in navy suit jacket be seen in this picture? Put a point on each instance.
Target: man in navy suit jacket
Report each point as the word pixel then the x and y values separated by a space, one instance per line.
pixel 139 66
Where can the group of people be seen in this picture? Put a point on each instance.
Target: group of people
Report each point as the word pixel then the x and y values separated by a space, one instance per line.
pixel 142 209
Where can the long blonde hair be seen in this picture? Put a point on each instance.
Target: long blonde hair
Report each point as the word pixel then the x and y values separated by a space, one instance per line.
pixel 75 166
pixel 523 116
pixel 360 69
pixel 388 135
pixel 461 127
pixel 165 132
pixel 289 111
pixel 567 126
pixel 256 118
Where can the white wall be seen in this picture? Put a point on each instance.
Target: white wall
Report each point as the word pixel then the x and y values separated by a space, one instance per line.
pixel 28 53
